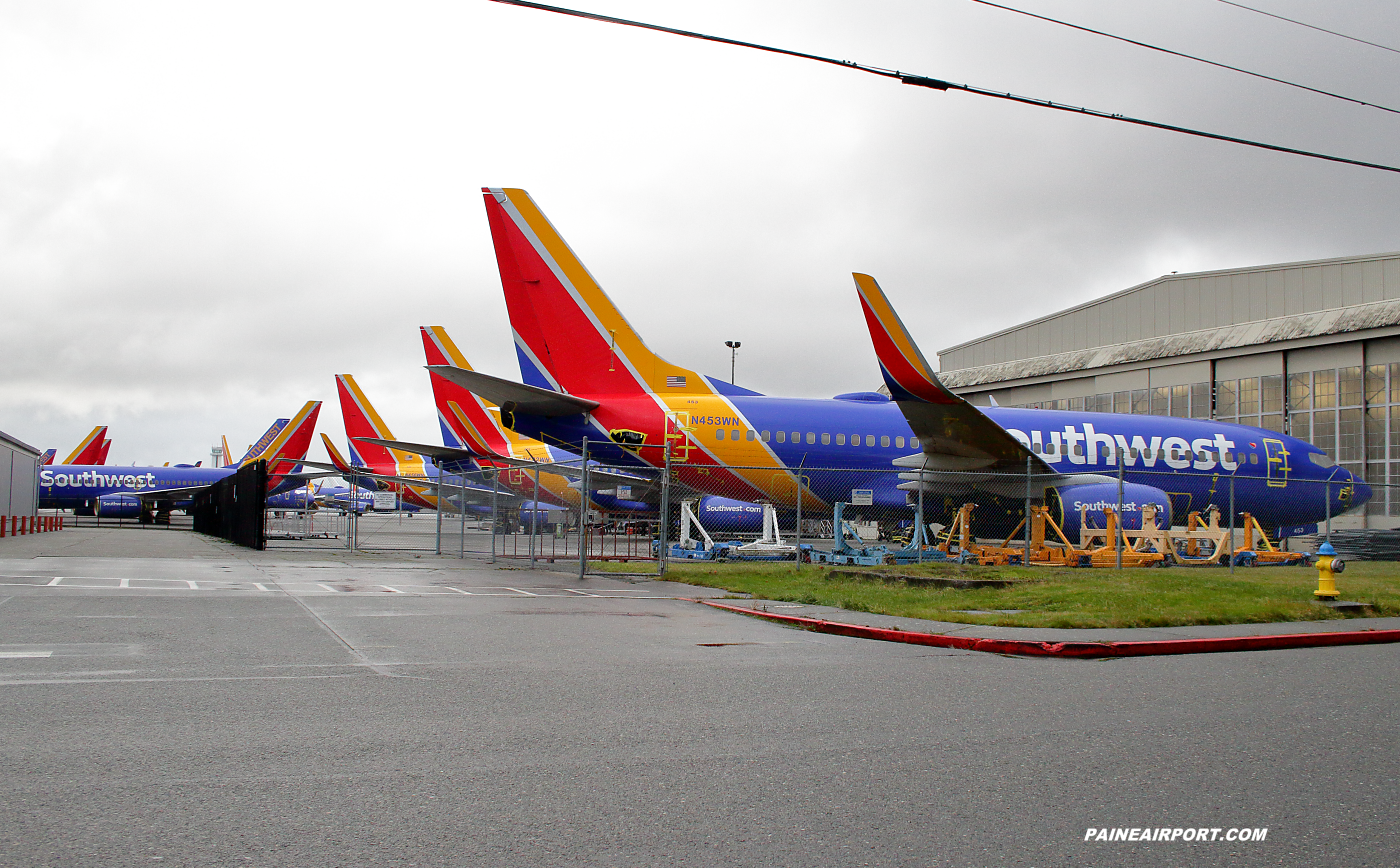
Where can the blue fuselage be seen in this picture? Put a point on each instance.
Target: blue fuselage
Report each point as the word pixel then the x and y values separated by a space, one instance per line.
pixel 1278 479
pixel 75 486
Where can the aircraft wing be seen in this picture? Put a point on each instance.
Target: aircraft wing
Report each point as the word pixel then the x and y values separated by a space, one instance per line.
pixel 183 493
pixel 955 435
pixel 514 397
pixel 444 453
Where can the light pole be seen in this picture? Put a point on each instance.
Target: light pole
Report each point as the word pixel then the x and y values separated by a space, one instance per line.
pixel 733 351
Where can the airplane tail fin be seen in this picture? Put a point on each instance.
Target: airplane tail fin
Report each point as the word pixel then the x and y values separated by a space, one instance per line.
pixel 46 457
pixel 228 456
pixel 90 449
pixel 102 456
pixel 907 373
pixel 362 420
pixel 569 336
pixel 465 421
pixel 289 445
pixel 262 442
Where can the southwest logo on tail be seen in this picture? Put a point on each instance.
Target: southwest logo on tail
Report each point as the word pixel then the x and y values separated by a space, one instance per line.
pixel 588 374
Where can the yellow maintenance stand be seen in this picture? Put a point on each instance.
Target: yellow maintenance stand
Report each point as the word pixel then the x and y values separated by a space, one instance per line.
pixel 1328 565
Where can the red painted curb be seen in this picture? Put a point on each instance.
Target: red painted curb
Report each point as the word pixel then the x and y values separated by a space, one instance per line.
pixel 1029 648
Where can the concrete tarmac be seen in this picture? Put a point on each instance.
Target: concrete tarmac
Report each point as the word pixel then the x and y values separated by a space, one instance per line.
pixel 170 699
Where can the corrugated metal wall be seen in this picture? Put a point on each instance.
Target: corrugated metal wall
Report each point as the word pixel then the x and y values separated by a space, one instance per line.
pixel 1187 302
pixel 19 479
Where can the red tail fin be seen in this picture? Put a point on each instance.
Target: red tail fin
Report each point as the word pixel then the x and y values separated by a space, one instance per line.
pixel 568 334
pixel 89 451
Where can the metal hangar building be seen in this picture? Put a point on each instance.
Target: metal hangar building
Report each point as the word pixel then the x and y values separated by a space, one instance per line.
pixel 1310 349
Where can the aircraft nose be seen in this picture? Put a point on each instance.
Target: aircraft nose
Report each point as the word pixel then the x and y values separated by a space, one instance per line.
pixel 1362 492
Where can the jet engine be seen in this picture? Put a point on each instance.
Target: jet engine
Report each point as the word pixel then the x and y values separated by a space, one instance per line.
pixel 1065 502
pixel 118 506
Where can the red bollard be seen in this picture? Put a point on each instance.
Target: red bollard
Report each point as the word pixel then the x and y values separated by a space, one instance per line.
pixel 60 522
pixel 23 525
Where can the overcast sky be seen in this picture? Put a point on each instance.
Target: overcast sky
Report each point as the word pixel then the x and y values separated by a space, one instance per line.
pixel 208 210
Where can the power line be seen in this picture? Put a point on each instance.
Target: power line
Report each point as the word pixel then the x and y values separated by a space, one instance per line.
pixel 1189 56
pixel 939 84
pixel 1310 26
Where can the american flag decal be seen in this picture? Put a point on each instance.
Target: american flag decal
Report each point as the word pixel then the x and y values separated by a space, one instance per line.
pixel 675 382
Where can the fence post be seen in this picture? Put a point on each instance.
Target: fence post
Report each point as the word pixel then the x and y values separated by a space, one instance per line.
pixel 495 491
pixel 1231 553
pixel 798 559
pixel 583 515
pixel 437 544
pixel 1118 535
pixel 1327 498
pixel 664 537
pixel 1026 558
pixel 535 517
pixel 919 517
pixel 462 513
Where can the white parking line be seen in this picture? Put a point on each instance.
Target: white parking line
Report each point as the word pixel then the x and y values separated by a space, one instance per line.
pixel 389 589
pixel 327 587
pixel 526 593
pixel 13 655
pixel 55 581
pixel 194 586
pixel 259 586
pixel 459 590
pixel 124 583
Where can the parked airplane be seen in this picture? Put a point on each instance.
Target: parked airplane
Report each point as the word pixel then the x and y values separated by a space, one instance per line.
pixel 588 374
pixel 46 457
pixel 469 424
pixel 126 492
pixel 375 465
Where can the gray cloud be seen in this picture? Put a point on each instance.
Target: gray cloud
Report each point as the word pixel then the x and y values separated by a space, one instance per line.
pixel 206 215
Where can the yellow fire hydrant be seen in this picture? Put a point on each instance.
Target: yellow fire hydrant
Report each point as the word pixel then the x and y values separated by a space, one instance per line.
pixel 1328 565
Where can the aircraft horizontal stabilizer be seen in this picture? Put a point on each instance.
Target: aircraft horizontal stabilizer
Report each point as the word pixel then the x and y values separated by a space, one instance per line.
pixel 515 397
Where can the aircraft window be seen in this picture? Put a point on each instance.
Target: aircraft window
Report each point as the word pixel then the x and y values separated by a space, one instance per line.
pixel 899 442
pixel 826 439
pixel 749 435
pixel 734 435
pixel 869 439
pixel 914 442
pixel 782 436
pixel 855 439
pixel 811 438
pixel 1254 458
pixel 797 436
pixel 767 436
pixel 1035 447
pixel 1078 449
pixel 884 440
pixel 1202 456
pixel 1320 459
pixel 840 439
pixel 1230 457
pixel 719 433
pixel 1105 452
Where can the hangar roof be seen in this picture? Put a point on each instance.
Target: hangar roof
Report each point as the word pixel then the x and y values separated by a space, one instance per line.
pixel 1326 322
pixel 1163 317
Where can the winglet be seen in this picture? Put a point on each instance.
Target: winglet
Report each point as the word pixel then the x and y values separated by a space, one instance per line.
pixel 907 373
pixel 337 460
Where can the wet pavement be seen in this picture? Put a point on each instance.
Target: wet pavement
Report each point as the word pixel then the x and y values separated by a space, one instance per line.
pixel 170 699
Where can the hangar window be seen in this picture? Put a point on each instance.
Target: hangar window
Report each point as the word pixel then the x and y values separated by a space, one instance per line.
pixel 719 433
pixel 899 442
pixel 869 439
pixel 782 436
pixel 884 440
pixel 826 439
pixel 768 436
pixel 749 435
pixel 840 439
pixel 811 438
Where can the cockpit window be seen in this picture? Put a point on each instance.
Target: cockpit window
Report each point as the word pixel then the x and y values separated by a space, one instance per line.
pixel 1320 459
